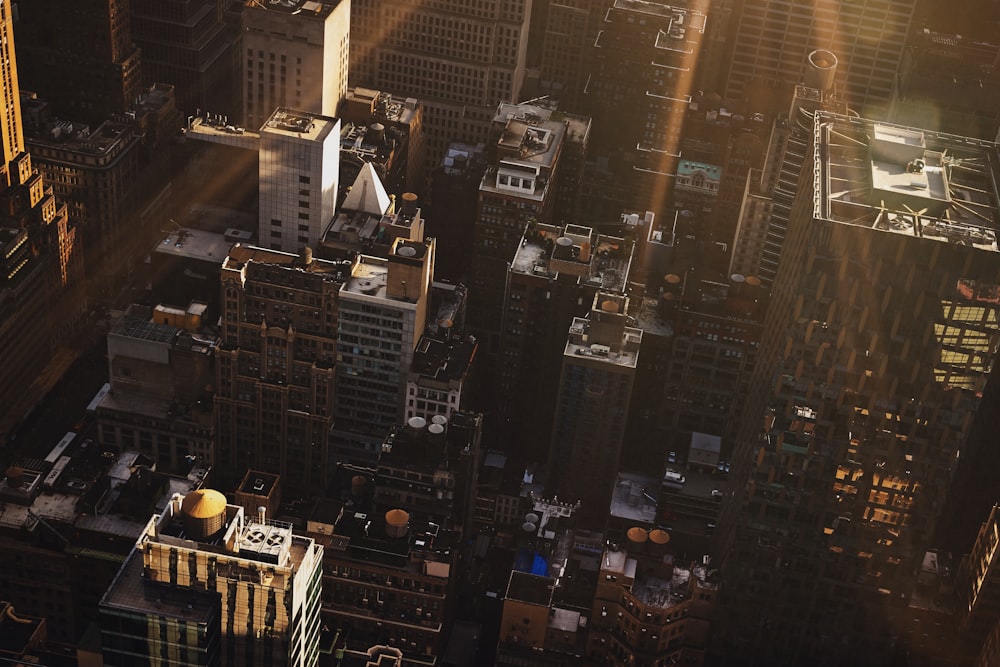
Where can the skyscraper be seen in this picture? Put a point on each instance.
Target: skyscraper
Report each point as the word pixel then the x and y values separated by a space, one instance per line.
pixel 773 38
pixel 187 44
pixel 42 279
pixel 299 172
pixel 595 388
pixel 80 55
pixel 877 347
pixel 208 585
pixel 275 389
pixel 296 54
pixel 458 58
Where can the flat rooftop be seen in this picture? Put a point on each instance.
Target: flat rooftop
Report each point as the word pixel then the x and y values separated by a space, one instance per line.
pixel 195 244
pixel 907 181
pixel 600 260
pixel 132 591
pixel 299 124
pixel 627 354
pixel 318 9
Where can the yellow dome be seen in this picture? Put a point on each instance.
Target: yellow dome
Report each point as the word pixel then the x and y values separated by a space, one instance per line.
pixel 203 504
pixel 658 536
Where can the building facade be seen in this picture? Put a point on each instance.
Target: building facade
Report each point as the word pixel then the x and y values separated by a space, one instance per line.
pixel 459 60
pixel 296 55
pixel 773 37
pixel 299 173
pixel 208 585
pixel 274 403
pixel 868 382
pixel 595 388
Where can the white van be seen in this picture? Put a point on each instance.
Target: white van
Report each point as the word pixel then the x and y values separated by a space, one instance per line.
pixel 672 476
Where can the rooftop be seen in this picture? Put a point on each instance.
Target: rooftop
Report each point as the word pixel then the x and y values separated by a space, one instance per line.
pixel 442 360
pixel 132 591
pixel 907 181
pixel 309 9
pixel 530 588
pixel 631 501
pixel 626 354
pixel 195 244
pixel 599 260
pixel 300 124
pixel 241 256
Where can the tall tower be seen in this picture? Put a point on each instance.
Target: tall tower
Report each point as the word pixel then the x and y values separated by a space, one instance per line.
pixel 773 38
pixel 41 280
pixel 188 44
pixel 876 351
pixel 274 402
pixel 460 59
pixel 299 174
pixel 206 584
pixel 595 389
pixel 296 55
pixel 80 55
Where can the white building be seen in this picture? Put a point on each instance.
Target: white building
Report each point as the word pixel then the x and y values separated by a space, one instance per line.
pixel 296 55
pixel 299 175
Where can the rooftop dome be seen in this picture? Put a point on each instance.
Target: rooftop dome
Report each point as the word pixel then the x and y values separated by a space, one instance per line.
pixel 203 504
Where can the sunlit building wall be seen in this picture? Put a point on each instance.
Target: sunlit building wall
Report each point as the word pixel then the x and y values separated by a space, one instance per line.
pixel 41 285
pixel 296 55
pixel 877 347
pixel 458 58
pixel 773 37
pixel 208 585
pixel 299 174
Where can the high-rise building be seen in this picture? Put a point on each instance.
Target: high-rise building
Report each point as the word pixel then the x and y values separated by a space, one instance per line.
pixel 876 351
pixel 949 82
pixel 764 218
pixel 518 189
pixel 551 279
pixel 188 45
pixel 773 38
pixel 41 285
pixel 638 90
pixel 274 401
pixel 80 55
pixel 570 31
pixel 595 388
pixel 296 56
pixel 648 608
pixel 209 585
pixel 382 313
pixel 299 172
pixel 159 402
pixel 458 59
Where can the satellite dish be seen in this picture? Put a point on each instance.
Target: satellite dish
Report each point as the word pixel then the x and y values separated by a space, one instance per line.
pixel 738 278
pixel 407 251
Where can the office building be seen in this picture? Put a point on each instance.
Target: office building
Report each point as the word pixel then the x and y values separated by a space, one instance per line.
pixel 188 45
pixel 948 82
pixel 773 37
pixel 274 400
pixel 458 59
pixel 649 609
pixel 595 387
pixel 161 366
pixel 82 56
pixel 401 137
pixel 571 28
pixel 41 286
pixel 553 278
pixel 299 172
pixel 382 312
pixel 208 585
pixel 388 577
pixel 296 56
pixel 764 218
pixel 875 354
pixel 638 90
pixel 516 190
